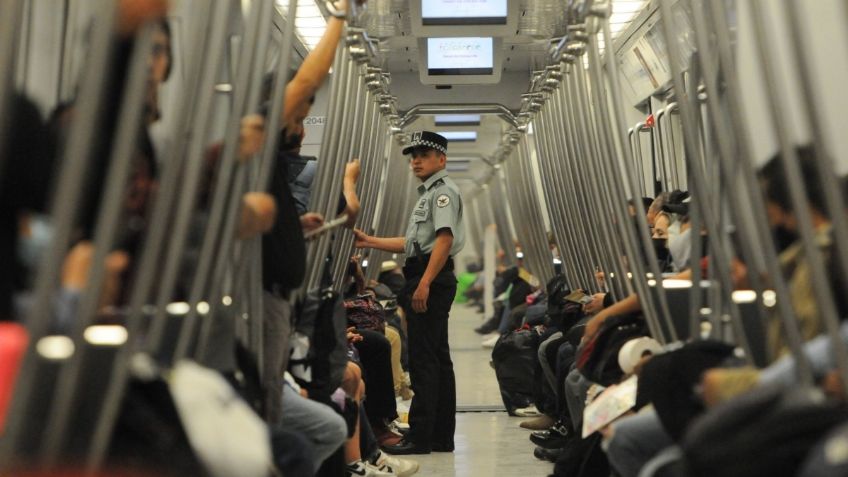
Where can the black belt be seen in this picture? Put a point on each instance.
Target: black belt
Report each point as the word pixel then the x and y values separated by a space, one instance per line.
pixel 417 264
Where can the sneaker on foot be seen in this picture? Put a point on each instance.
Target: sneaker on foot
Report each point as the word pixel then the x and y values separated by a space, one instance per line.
pixel 401 467
pixel 529 411
pixel 491 341
pixel 366 469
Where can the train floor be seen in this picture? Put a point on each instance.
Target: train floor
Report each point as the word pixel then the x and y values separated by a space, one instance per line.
pixel 488 441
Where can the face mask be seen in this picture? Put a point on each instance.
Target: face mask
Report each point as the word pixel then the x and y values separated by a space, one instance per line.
pixel 679 246
pixel 783 237
pixel 30 248
pixel 661 249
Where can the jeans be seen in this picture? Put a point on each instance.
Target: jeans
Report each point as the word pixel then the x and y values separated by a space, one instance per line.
pixel 636 440
pixel 818 351
pixel 294 454
pixel 324 428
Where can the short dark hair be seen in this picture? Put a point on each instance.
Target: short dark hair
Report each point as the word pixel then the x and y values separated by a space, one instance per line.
pixel 776 186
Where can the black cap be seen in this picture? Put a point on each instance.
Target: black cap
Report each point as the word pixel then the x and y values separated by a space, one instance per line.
pixel 427 139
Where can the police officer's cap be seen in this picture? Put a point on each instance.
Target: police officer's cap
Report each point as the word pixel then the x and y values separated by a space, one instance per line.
pixel 429 140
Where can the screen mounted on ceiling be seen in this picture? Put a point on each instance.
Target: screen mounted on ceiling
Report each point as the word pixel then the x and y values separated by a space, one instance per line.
pixel 463 12
pixel 457 120
pixel 460 56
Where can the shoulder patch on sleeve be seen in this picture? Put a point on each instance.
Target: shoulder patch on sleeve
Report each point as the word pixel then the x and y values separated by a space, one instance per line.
pixel 442 201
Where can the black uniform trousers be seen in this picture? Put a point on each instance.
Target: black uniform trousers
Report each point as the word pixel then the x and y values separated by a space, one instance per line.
pixel 432 416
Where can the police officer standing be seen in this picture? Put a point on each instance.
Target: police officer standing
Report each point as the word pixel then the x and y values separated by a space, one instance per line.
pixel 434 235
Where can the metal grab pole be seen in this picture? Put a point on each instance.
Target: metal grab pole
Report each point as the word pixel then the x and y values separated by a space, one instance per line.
pixel 826 166
pixel 601 196
pixel 540 251
pixel 224 195
pixel 260 11
pixel 568 174
pixel 64 210
pixel 582 250
pixel 581 117
pixel 571 236
pixel 120 166
pixel 329 141
pixel 672 109
pixel 148 263
pixel 351 120
pixel 233 259
pixel 584 178
pixel 641 219
pixel 822 288
pixel 755 199
pixel 364 117
pixel 726 146
pixel 326 194
pixel 11 12
pixel 563 237
pixel 538 248
pixel 637 274
pixel 497 195
pixel 576 148
pixel 699 185
pixel 659 140
pixel 638 156
pixel 620 186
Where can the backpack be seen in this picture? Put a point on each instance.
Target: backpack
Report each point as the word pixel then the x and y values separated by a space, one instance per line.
pixel 668 380
pixel 515 359
pixel 768 431
pixel 322 318
pixel 365 313
pixel 562 314
pixel 597 359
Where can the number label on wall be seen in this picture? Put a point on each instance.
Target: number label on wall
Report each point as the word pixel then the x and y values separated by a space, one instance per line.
pixel 315 121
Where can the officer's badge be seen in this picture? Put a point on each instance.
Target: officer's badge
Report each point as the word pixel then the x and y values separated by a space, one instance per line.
pixel 442 201
pixel 416 136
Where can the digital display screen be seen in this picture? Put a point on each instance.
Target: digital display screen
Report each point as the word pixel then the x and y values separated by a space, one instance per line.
pixel 460 56
pixel 464 12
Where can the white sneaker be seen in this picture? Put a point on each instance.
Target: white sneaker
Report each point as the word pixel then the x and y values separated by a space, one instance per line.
pixel 529 411
pixel 398 427
pixel 491 341
pixel 366 469
pixel 401 467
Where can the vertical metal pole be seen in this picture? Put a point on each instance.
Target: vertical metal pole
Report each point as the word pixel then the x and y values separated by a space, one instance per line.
pixel 798 194
pixel 824 162
pixel 64 209
pixel 123 149
pixel 11 12
pixel 194 166
pixel 727 145
pixel 755 198
pixel 641 219
pixel 323 194
pixel 149 262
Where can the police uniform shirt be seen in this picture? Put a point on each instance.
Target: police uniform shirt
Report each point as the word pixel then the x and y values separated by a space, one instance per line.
pixel 439 206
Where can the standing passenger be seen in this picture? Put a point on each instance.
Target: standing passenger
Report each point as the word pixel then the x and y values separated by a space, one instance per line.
pixel 434 235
